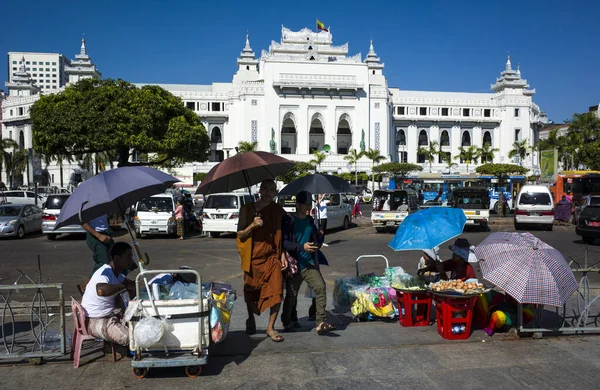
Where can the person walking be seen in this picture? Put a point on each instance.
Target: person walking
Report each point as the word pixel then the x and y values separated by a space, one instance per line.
pixel 260 246
pixel 179 219
pixel 301 241
pixel 321 214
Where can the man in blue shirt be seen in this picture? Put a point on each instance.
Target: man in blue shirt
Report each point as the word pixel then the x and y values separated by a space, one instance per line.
pixel 301 240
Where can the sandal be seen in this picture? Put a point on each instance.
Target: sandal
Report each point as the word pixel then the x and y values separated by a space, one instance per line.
pixel 275 336
pixel 250 326
pixel 324 327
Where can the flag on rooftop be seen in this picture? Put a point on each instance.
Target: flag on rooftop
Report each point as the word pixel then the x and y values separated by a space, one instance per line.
pixel 321 26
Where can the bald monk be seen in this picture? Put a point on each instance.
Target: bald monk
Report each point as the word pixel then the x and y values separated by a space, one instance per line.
pixel 260 245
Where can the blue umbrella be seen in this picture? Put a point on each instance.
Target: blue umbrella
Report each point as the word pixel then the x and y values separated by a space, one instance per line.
pixel 112 191
pixel 428 228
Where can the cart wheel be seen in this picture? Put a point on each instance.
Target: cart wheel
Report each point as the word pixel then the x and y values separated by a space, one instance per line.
pixel 193 371
pixel 139 372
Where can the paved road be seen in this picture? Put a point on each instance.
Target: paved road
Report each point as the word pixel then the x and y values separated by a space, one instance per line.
pixel 358 355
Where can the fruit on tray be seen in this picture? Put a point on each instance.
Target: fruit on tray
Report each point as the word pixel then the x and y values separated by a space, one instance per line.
pixel 457 286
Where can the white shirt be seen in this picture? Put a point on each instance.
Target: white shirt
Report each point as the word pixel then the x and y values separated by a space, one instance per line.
pixel 94 305
pixel 386 205
pixel 322 205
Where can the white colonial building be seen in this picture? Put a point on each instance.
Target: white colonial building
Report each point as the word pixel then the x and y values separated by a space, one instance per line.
pixel 304 93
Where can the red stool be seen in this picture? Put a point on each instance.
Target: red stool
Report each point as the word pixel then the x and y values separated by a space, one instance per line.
pixel 414 308
pixel 454 312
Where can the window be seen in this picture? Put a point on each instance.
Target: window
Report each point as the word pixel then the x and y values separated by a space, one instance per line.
pixel 422 110
pixel 34 62
pixel 215 106
pixel 376 105
pixel 54 69
pixel 423 141
pixel 14 68
pixel 535 198
pixel 516 112
pixel 253 102
pixel 20 111
pixel 11 112
pixel 444 111
pixel 222 202
pixel 445 139
pixel 401 138
pixel 53 75
pixel 54 87
pixel 35 69
pixel 47 63
pixel 54 63
pixel 47 69
pixel 14 62
pixel 190 105
pixel 487 113
pixel 27 63
pixel 466 139
pixel 54 81
pixel 444 156
pixel 517 135
pixel 401 110
pixel 28 69
pixel 47 75
pixel 466 112
pixel 403 157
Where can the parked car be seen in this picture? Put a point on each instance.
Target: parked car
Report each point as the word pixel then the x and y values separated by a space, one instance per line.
pixel 339 211
pixel 23 197
pixel 588 223
pixel 17 220
pixel 54 204
pixel 474 202
pixel 221 212
pixel 534 206
pixel 390 208
pixel 155 215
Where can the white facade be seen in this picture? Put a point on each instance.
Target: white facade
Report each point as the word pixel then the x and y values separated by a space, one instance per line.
pixel 305 94
pixel 47 70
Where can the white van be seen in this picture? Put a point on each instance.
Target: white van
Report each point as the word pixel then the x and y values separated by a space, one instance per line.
pixel 23 197
pixel 535 206
pixel 155 215
pixel 221 212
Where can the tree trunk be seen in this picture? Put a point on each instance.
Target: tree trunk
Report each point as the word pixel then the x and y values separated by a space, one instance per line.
pixel 355 175
pixel 123 157
pixel 60 165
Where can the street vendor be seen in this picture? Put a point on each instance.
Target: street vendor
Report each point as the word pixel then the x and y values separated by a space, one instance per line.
pixel 429 259
pixel 103 318
pixel 458 266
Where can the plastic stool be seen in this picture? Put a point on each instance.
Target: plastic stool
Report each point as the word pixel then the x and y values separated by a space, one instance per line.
pixel 414 308
pixel 452 314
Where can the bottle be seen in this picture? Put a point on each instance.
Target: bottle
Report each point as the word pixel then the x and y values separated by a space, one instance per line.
pixel 458 329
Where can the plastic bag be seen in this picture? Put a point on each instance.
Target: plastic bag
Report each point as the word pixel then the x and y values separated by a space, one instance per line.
pixel 346 289
pixel 380 304
pixel 177 291
pixel 149 331
pixel 132 310
pixel 220 315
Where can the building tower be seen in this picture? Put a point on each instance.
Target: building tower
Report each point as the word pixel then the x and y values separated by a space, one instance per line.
pixel 22 84
pixel 82 66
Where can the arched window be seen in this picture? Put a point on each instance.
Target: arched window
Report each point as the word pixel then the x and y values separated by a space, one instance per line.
pixel 216 137
pixel 487 138
pixel 401 138
pixel 444 138
pixel 316 134
pixel 344 135
pixel 423 141
pixel 466 139
pixel 288 134
pixel 21 140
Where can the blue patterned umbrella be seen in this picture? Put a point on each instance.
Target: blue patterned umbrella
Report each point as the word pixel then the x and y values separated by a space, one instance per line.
pixel 527 268
pixel 428 228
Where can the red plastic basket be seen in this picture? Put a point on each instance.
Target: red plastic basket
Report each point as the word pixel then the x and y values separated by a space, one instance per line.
pixel 454 312
pixel 414 308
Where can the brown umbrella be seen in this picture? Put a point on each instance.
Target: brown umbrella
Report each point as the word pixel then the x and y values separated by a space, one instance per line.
pixel 243 170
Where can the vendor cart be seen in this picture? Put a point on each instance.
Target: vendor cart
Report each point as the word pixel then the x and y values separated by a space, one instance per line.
pixel 185 343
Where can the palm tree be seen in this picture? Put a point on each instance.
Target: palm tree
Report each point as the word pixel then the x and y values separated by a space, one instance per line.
pixel 430 152
pixel 375 156
pixel 60 159
pixel 447 158
pixel 520 149
pixel 468 155
pixel 245 146
pixel 16 163
pixel 318 159
pixel 486 152
pixel 6 143
pixel 352 157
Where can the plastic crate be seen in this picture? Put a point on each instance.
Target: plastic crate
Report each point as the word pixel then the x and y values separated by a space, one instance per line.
pixel 414 308
pixel 454 313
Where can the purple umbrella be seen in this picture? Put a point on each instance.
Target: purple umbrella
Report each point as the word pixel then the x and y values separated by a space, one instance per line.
pixel 112 191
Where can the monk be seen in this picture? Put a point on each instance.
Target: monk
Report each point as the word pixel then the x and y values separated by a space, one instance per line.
pixel 260 245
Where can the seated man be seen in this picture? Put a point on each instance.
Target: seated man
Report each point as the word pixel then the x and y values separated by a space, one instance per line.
pixel 104 320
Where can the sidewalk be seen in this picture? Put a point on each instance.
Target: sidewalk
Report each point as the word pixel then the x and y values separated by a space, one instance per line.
pixel 357 355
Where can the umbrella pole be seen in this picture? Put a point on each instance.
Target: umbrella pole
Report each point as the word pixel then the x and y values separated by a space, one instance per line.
pixel 247 180
pixel 138 255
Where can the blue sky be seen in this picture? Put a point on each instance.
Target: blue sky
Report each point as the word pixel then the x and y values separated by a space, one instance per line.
pixel 432 45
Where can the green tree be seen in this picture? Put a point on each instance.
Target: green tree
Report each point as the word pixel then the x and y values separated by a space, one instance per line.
pixel 199 176
pixel 375 156
pixel 468 155
pixel 60 159
pixel 486 153
pixel 501 171
pixel 584 138
pixel 245 146
pixel 299 170
pixel 318 159
pixel 520 149
pixel 429 152
pixel 16 164
pixel 397 170
pixel 447 158
pixel 96 116
pixel 352 157
pixel 5 157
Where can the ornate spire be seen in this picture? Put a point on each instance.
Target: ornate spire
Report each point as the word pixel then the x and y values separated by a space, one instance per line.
pixel 371 50
pixel 247 52
pixel 372 60
pixel 247 59
pixel 82 51
pixel 511 79
pixel 508 64
pixel 519 70
pixel 22 68
pixel 21 82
